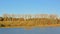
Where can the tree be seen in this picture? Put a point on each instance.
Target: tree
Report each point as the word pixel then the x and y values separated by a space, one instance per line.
pixel 53 16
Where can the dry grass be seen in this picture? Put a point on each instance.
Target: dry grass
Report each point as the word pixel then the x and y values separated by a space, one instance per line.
pixel 36 22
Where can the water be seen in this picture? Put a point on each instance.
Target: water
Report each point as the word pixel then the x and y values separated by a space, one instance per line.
pixel 46 30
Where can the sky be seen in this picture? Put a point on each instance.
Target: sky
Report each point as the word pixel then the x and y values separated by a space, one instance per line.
pixel 30 7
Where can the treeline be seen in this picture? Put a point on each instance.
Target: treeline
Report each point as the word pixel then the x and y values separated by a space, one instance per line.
pixel 43 20
pixel 7 17
pixel 12 21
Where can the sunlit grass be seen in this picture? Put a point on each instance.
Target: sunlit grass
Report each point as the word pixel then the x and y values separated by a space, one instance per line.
pixel 30 23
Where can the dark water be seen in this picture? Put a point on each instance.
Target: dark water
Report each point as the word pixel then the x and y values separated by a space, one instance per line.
pixel 46 30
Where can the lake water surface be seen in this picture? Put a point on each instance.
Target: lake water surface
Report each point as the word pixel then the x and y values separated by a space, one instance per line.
pixel 45 30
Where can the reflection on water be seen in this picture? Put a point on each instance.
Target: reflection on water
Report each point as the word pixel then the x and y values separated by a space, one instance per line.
pixel 47 30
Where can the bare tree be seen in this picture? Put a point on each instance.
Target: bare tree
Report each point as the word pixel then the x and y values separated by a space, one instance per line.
pixel 53 16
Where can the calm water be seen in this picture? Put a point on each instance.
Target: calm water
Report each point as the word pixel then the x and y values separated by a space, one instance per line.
pixel 48 30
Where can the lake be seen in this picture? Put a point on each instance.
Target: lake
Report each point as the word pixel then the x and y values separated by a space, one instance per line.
pixel 41 30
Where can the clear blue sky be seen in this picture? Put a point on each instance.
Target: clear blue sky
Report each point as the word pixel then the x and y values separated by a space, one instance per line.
pixel 30 6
